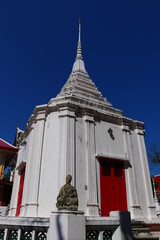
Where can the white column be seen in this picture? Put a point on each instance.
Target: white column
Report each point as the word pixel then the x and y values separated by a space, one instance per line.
pixel 15 189
pixel 131 183
pixel 14 196
pixel 67 146
pixel 146 175
pixel 92 203
pixel 34 168
pixel 28 159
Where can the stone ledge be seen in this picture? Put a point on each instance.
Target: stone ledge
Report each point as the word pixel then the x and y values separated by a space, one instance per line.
pixel 102 223
pixel 60 212
pixel 36 223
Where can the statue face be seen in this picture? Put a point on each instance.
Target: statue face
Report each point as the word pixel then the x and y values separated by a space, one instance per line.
pixel 68 178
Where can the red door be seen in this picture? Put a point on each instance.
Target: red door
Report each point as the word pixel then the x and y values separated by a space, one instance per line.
pixel 20 192
pixel 113 188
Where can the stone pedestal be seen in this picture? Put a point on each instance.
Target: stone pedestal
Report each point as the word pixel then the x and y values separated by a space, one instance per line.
pixel 67 225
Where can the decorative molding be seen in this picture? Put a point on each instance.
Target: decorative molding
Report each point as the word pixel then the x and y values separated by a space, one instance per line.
pixel 135 206
pixel 41 116
pixel 110 131
pixel 89 118
pixel 140 131
pixel 92 204
pixel 31 204
pixel 21 165
pixel 126 128
pixel 67 112
pixel 24 142
pixel 101 155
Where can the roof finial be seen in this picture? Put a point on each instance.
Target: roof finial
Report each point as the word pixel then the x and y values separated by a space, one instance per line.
pixel 79 29
pixel 79 63
pixel 79 50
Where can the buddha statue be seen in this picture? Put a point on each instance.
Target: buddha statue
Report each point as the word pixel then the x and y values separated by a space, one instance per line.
pixel 67 198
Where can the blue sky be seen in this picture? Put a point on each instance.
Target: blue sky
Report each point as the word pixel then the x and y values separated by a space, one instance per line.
pixel 121 50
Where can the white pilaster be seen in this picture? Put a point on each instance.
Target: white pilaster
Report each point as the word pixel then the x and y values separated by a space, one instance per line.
pixel 14 196
pixel 28 158
pixel 35 167
pixel 67 145
pixel 92 204
pixel 131 183
pixel 146 175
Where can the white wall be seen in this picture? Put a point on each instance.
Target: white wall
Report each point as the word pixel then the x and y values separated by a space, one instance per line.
pixel 64 142
pixel 49 168
pixel 105 144
pixel 81 165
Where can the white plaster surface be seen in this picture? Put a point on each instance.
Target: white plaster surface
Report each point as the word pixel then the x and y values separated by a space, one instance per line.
pixel 49 170
pixel 2 210
pixel 104 143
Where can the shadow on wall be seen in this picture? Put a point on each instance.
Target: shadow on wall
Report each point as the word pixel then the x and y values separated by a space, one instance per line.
pixel 59 228
pixel 127 165
pixel 125 223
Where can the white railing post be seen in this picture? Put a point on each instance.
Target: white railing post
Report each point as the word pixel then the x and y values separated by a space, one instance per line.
pixel 6 234
pixel 100 237
pixel 19 234
pixel 33 234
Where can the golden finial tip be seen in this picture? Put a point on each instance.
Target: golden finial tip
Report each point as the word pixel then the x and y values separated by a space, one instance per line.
pixel 80 20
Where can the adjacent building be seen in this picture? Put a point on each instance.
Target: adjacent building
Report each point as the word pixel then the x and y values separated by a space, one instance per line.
pixel 8 154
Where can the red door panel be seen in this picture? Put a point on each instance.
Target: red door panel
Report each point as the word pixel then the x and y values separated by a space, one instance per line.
pixel 106 175
pixel 113 189
pixel 20 192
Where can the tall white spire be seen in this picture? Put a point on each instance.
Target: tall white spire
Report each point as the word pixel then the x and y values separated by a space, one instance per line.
pixel 79 39
pixel 79 50
pixel 79 63
pixel 79 83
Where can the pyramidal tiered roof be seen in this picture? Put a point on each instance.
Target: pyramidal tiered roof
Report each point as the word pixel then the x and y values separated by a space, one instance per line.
pixel 79 83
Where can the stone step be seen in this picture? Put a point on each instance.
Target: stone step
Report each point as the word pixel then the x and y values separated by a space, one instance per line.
pixel 140 229
pixel 142 233
pixel 145 238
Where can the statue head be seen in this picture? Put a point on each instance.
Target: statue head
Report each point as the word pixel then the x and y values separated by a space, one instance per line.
pixel 68 179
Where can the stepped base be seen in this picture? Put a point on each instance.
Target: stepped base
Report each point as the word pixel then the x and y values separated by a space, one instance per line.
pixel 142 232
pixel 146 238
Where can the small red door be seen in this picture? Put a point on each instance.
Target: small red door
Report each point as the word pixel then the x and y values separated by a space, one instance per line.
pixel 113 187
pixel 20 192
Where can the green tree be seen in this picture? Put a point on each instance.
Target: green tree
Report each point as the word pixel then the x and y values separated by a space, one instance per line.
pixel 154 153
